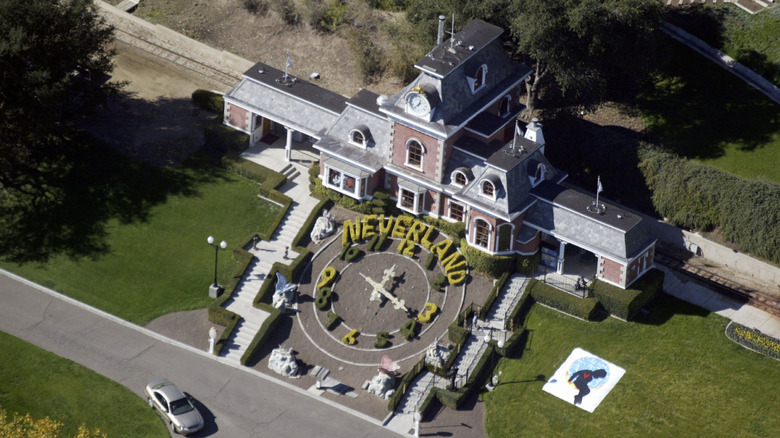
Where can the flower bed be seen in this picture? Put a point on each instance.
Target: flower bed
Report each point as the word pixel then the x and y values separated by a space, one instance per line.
pixel 753 339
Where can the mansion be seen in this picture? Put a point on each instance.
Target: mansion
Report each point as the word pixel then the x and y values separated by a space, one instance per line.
pixel 449 146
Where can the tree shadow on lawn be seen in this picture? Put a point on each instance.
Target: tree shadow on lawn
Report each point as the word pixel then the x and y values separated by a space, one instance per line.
pixel 89 184
pixel 665 307
pixel 696 108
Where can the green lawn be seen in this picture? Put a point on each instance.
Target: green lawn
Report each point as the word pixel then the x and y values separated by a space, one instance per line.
pixel 43 384
pixel 683 378
pixel 160 262
pixel 700 111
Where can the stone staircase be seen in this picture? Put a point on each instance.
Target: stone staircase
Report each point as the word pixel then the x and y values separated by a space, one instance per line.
pixel 506 301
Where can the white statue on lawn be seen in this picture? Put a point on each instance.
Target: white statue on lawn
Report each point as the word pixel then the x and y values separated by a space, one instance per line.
pixel 282 361
pixel 323 228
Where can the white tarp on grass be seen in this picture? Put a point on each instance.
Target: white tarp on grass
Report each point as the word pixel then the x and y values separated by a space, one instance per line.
pixel 584 379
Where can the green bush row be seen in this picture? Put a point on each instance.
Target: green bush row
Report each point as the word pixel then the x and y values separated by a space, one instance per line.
pixel 527 265
pixel 485 263
pixel 208 101
pixel 542 293
pixel 333 320
pixel 219 139
pixel 625 303
pixel 516 318
pixel 454 230
pixel 268 326
pixel 695 195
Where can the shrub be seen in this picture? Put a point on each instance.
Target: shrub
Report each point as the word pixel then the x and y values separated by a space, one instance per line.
pixel 208 101
pixel 219 139
pixel 368 56
pixel 382 340
pixel 439 282
pixel 323 298
pixel 409 329
pixel 327 277
pixel 691 194
pixel 753 340
pixel 351 253
pixel 428 312
pixel 527 265
pixel 625 303
pixel 333 320
pixel 430 262
pixel 351 337
pixel 485 263
pixel 583 308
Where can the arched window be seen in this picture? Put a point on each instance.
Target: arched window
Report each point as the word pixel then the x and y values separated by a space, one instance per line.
pixel 477 79
pixel 503 107
pixel 505 237
pixel 359 136
pixel 414 154
pixel 488 189
pixel 460 179
pixel 481 233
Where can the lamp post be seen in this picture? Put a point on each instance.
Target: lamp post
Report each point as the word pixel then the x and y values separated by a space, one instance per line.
pixel 214 289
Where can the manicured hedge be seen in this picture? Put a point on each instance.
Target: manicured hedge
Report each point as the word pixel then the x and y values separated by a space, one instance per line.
pixel 485 263
pixel 694 195
pixel 219 139
pixel 583 308
pixel 208 101
pixel 268 326
pixel 625 303
pixel 753 339
pixel 527 265
pixel 516 318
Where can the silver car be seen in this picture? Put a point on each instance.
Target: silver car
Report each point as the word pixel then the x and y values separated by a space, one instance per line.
pixel 177 409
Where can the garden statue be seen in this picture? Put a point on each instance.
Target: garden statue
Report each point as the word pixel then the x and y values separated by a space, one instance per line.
pixel 283 362
pixel 383 385
pixel 436 355
pixel 323 228
pixel 283 295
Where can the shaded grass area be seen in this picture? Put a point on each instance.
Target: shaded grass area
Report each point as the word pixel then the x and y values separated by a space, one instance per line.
pixel 146 230
pixel 683 378
pixel 43 384
pixel 700 111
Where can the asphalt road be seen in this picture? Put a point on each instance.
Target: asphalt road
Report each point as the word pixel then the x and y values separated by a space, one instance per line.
pixel 236 402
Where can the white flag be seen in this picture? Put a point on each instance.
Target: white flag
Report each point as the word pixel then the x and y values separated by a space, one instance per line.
pixel 518 131
pixel 289 63
pixel 599 189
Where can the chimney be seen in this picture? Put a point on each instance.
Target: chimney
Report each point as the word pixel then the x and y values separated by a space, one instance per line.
pixel 533 132
pixel 440 35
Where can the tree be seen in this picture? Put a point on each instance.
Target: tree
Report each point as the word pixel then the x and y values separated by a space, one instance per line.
pixel 587 46
pixel 51 55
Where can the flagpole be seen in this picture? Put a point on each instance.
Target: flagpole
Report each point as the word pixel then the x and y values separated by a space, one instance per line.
pixel 514 137
pixel 286 64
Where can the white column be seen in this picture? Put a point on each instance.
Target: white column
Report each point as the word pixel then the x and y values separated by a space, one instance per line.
pixel 288 146
pixel 561 252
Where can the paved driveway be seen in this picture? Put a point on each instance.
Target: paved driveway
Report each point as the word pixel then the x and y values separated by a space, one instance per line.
pixel 237 402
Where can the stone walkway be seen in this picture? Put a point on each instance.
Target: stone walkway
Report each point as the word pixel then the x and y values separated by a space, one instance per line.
pixel 274 251
pixel 473 349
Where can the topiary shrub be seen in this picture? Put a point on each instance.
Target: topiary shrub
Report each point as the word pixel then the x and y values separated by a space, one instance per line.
pixel 323 298
pixel 333 320
pixel 439 282
pixel 409 329
pixel 382 340
pixel 351 337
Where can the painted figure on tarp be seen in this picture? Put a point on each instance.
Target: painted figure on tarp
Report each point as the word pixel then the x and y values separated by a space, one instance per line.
pixel 581 380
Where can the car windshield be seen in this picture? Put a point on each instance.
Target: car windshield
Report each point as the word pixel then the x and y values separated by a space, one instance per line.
pixel 181 406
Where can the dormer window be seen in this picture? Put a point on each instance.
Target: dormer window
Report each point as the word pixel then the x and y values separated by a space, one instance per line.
pixel 460 179
pixel 461 176
pixel 477 79
pixel 503 107
pixel 414 154
pixel 359 136
pixel 488 189
pixel 538 173
pixel 489 186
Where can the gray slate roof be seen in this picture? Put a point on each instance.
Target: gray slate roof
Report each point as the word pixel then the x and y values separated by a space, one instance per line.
pixel 296 103
pixel 361 113
pixel 562 211
pixel 455 104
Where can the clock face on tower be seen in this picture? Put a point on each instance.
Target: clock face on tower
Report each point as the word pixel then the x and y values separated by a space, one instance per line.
pixel 418 104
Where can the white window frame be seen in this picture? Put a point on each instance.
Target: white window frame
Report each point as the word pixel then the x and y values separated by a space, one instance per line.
pixel 449 211
pixel 422 155
pixel 482 189
pixel 489 234
pixel 416 205
pixel 352 141
pixel 507 100
pixel 360 183
pixel 473 80
pixel 454 177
